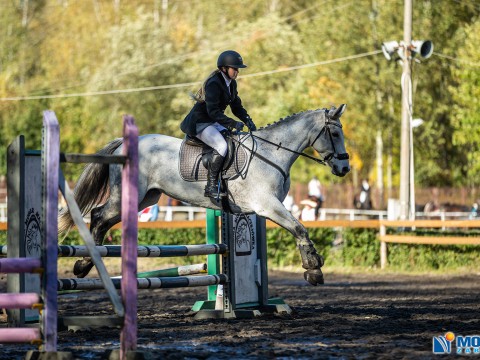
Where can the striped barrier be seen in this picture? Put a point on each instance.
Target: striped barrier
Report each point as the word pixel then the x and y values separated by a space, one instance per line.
pixel 162 273
pixel 142 251
pixel 172 272
pixel 145 283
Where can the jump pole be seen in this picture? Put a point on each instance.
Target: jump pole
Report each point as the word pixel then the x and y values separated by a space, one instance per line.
pixel 142 250
pixel 172 272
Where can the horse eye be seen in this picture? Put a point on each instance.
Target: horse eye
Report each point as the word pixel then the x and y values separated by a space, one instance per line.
pixel 335 134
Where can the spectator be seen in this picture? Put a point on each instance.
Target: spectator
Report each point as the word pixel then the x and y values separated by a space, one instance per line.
pixel 315 194
pixel 363 200
pixel 473 211
pixel 308 211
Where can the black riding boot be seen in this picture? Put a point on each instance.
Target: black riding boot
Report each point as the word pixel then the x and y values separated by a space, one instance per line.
pixel 214 168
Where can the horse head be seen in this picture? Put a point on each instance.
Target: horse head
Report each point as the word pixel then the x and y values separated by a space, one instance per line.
pixel 330 142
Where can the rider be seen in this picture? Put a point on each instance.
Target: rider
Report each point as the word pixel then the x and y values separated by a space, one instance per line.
pixel 207 119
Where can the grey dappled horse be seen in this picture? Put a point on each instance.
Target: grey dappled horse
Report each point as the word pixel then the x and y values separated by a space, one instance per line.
pixel 261 191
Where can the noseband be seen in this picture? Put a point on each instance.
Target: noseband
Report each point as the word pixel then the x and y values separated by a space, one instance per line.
pixel 328 122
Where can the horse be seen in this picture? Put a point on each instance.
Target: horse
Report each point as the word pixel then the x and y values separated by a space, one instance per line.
pixel 261 189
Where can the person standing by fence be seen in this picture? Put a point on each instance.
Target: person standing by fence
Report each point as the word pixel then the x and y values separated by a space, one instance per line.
pixel 315 194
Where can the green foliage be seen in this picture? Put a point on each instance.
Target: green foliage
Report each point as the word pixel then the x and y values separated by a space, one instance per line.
pixel 90 46
pixel 282 248
pixel 360 248
pixel 466 113
pixel 147 237
pixel 432 257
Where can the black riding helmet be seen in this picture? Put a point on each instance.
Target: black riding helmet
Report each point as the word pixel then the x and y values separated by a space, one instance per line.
pixel 231 59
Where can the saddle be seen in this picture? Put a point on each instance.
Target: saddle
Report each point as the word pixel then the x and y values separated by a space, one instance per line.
pixel 195 155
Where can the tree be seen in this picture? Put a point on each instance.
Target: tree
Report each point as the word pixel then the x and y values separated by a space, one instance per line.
pixel 466 92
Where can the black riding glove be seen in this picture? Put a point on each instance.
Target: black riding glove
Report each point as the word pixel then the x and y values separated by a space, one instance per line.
pixel 250 124
pixel 239 125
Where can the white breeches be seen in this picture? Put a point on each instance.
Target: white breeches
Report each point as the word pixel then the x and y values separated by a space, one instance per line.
pixel 212 137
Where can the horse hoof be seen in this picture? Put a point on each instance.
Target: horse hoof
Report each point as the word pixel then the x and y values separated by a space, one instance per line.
pixel 82 268
pixel 310 258
pixel 314 277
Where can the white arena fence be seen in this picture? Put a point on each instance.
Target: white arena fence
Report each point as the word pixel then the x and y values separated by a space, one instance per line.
pixel 172 213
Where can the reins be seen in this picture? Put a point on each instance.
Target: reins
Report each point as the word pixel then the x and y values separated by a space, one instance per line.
pixel 280 146
pixel 326 128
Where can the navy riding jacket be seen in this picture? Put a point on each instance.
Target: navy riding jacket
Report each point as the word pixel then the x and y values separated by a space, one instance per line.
pixel 217 98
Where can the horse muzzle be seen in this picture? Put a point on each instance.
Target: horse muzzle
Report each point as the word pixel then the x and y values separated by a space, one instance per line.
pixel 337 162
pixel 340 172
pixel 340 169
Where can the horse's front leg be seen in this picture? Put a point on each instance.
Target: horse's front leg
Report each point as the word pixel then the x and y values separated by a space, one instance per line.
pixel 311 260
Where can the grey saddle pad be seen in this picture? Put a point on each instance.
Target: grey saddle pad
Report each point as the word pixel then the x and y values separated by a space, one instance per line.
pixel 192 169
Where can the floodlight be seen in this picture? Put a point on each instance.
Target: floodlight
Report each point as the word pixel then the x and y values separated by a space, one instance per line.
pixel 389 49
pixel 422 47
pixel 416 122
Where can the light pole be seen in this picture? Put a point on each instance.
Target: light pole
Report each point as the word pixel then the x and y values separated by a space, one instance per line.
pixel 414 123
pixel 404 51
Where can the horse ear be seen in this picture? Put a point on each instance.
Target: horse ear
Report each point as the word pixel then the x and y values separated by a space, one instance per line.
pixel 338 112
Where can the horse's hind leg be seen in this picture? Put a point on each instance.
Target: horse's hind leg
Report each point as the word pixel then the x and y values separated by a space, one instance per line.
pixel 102 219
pixel 311 260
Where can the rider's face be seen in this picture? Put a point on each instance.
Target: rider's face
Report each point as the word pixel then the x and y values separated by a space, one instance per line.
pixel 232 73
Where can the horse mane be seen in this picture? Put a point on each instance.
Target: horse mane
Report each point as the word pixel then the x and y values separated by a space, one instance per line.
pixel 289 118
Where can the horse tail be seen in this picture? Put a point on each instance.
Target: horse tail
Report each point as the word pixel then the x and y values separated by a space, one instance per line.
pixel 90 189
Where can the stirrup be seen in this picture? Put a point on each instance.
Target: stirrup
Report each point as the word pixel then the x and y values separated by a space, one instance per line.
pixel 216 195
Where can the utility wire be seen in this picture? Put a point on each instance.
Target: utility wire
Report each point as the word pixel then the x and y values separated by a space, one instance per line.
pixel 457 59
pixel 105 92
pixel 180 85
pixel 325 62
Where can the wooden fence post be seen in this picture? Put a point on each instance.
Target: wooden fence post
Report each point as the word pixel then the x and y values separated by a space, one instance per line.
pixel 383 247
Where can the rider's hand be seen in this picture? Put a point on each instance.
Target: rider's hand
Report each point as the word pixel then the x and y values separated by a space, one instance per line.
pixel 239 125
pixel 250 124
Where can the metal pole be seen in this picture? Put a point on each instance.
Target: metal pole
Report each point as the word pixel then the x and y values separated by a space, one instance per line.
pixel 405 130
pixel 411 213
pixel 379 143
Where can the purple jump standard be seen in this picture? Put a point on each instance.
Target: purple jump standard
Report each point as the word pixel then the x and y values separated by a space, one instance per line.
pixel 50 167
pixel 128 335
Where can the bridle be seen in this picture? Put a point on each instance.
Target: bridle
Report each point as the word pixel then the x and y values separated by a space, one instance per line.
pixel 328 122
pixel 326 128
